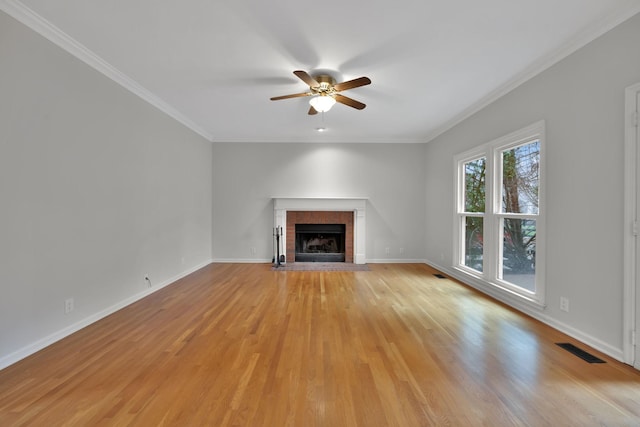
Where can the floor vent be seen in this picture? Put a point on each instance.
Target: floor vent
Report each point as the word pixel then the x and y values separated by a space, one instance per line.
pixel 580 353
pixel 440 276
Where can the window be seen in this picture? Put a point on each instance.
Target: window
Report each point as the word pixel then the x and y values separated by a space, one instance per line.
pixel 499 229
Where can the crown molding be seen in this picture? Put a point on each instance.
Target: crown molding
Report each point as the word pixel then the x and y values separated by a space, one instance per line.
pixel 580 40
pixel 37 23
pixel 31 19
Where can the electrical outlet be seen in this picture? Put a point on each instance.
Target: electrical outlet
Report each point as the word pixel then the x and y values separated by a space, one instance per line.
pixel 401 251
pixel 564 304
pixel 253 251
pixel 68 305
pixel 387 251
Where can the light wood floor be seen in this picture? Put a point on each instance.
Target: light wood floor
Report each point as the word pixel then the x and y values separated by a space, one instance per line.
pixel 240 345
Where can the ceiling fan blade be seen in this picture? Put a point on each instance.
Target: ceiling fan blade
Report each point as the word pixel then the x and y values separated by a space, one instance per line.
pixel 350 102
pixel 361 81
pixel 295 95
pixel 305 77
pixel 312 111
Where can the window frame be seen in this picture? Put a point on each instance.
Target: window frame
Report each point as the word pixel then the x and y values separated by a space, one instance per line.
pixel 493 222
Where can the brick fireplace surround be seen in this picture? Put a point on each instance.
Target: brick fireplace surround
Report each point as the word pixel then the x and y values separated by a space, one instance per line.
pixel 308 210
pixel 320 217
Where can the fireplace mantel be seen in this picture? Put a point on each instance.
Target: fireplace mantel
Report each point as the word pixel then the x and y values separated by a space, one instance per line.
pixel 357 204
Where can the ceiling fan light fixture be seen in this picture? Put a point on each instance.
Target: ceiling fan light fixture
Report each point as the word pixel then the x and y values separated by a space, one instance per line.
pixel 322 103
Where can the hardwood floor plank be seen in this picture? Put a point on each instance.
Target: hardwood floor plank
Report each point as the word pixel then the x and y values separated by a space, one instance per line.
pixel 241 345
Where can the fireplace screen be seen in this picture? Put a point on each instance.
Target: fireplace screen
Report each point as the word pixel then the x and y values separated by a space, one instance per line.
pixel 320 242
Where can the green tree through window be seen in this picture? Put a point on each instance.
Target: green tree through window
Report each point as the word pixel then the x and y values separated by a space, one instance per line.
pixel 520 183
pixel 474 202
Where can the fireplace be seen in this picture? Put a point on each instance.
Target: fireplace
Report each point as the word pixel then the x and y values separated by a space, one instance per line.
pixel 350 212
pixel 320 242
pixel 325 226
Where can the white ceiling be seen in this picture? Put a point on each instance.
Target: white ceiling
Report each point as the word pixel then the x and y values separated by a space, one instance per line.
pixel 213 65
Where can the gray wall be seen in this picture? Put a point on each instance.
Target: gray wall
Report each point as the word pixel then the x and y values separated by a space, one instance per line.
pixel 97 189
pixel 247 176
pixel 582 100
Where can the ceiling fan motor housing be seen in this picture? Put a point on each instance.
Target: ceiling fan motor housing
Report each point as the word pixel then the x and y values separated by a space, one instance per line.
pixel 326 83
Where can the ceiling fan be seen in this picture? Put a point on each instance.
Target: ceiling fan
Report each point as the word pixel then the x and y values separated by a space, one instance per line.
pixel 325 91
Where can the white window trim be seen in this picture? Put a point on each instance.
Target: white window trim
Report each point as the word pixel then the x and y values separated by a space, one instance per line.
pixel 493 216
pixel 458 256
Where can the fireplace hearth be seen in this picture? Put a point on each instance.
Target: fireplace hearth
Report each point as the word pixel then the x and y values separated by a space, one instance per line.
pixel 320 242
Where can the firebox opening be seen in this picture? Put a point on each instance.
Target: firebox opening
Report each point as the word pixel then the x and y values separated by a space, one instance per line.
pixel 320 242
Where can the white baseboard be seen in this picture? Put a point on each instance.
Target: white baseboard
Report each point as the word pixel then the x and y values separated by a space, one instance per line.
pixel 593 342
pixel 538 314
pixel 30 349
pixel 242 261
pixel 396 261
